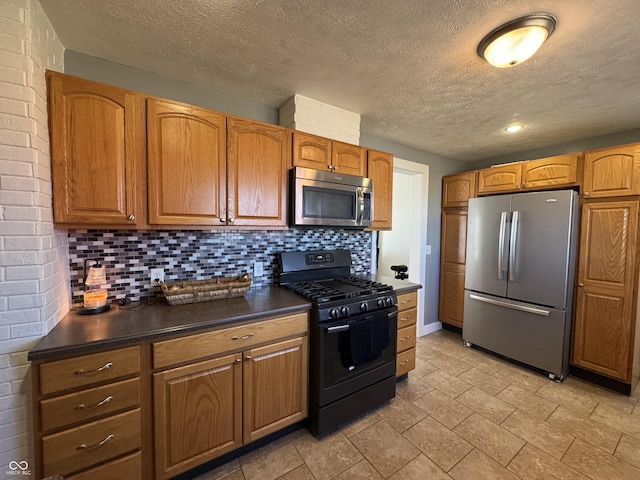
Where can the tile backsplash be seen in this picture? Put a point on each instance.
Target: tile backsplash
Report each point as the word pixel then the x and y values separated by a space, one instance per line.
pixel 196 255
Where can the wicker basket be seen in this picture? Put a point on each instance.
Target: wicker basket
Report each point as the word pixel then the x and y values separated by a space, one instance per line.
pixel 181 293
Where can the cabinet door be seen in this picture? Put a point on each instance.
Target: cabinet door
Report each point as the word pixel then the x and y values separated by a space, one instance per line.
pixel 348 159
pixel 453 247
pixel 458 189
pixel 186 163
pixel 550 172
pixel 607 279
pixel 505 178
pixel 275 387
pixel 257 159
pixel 198 413
pixel 612 172
pixel 97 152
pixel 380 169
pixel 311 151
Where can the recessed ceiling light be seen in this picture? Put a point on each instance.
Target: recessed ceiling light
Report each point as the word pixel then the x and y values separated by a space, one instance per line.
pixel 513 128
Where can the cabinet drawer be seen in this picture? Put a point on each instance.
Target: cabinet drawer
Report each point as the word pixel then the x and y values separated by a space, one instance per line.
pixel 90 444
pixel 407 318
pixel 405 362
pixel 239 338
pixel 87 369
pixel 407 300
pixel 406 338
pixel 129 468
pixel 87 404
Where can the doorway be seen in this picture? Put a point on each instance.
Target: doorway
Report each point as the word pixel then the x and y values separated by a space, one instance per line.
pixel 406 243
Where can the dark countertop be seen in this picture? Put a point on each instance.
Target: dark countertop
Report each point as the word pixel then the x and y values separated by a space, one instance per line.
pixel 400 286
pixel 80 334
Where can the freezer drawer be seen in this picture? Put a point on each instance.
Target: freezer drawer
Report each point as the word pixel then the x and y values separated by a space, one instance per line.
pixel 534 335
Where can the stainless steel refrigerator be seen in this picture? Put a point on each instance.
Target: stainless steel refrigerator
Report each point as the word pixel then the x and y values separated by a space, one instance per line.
pixel 519 277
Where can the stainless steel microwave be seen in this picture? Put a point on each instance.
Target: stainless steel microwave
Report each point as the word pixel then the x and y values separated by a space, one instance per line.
pixel 330 199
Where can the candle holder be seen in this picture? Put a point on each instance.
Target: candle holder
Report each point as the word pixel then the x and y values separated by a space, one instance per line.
pixel 95 296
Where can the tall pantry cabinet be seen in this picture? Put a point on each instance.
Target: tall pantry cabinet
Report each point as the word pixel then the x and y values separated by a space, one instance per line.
pixel 606 337
pixel 456 192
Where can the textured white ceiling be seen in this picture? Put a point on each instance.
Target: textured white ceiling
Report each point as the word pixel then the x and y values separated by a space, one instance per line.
pixel 409 67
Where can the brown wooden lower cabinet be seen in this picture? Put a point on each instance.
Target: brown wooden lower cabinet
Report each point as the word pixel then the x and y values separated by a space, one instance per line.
pixel 210 407
pixel 91 444
pixel 128 468
pixel 406 339
pixel 109 415
pixel 275 386
pixel 197 413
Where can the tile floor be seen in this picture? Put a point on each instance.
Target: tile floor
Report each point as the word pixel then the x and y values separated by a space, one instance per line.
pixel 465 414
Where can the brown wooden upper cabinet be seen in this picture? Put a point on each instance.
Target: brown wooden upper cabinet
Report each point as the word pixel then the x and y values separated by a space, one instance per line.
pixel 207 169
pixel 612 172
pixel 530 175
pixel 258 155
pixel 380 169
pixel 458 189
pixel 97 152
pixel 187 164
pixel 312 151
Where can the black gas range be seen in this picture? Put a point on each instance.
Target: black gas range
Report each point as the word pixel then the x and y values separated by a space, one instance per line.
pixel 352 335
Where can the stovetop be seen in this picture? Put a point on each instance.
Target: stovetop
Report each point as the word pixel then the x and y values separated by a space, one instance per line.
pixel 324 278
pixel 340 288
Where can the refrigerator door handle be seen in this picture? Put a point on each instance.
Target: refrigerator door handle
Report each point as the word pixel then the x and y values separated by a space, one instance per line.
pixel 512 246
pixel 522 308
pixel 503 228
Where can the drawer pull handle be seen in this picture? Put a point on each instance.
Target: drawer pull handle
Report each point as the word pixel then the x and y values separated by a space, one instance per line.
pixel 82 406
pixel 404 319
pixel 106 439
pixel 404 363
pixel 244 337
pixel 405 339
pixel 106 366
pixel 404 302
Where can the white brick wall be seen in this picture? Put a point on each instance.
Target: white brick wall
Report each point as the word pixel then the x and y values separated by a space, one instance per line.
pixel 34 272
pixel 308 115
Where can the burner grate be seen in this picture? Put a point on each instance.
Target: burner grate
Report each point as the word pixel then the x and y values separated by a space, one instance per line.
pixel 347 288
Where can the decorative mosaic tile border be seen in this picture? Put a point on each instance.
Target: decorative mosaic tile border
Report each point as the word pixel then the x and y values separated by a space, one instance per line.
pixel 197 255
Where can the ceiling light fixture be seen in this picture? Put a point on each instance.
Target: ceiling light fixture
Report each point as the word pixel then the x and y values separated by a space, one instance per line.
pixel 517 40
pixel 513 128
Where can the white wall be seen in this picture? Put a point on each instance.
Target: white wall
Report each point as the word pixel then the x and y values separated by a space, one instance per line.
pixel 395 245
pixel 34 276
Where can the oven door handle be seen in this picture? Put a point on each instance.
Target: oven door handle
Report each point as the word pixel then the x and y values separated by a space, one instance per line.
pixel 338 329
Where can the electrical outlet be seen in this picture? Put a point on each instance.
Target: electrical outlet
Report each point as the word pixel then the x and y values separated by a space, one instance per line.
pixel 258 269
pixel 157 275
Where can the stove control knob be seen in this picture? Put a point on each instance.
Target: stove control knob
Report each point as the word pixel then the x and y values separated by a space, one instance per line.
pixel 364 307
pixel 345 311
pixel 334 313
pixel 381 302
pixel 388 301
